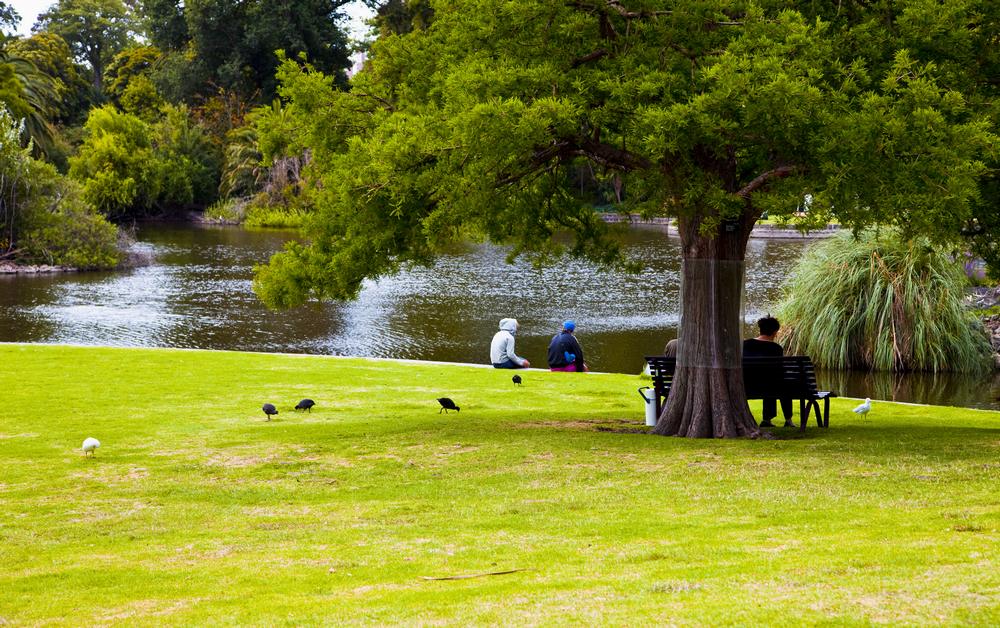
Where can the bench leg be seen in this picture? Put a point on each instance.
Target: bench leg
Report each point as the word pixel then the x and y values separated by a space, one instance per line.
pixel 813 404
pixel 826 412
pixel 803 414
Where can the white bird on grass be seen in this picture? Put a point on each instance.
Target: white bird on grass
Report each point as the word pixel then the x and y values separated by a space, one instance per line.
pixel 90 446
pixel 864 408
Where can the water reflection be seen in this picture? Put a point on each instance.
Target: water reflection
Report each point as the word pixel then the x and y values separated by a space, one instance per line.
pixel 937 388
pixel 197 294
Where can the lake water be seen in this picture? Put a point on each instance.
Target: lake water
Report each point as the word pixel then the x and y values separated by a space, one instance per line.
pixel 197 294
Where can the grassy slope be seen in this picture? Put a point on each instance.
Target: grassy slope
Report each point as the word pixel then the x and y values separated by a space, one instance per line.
pixel 195 510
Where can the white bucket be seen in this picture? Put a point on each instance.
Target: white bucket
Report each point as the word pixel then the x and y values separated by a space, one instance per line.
pixel 649 396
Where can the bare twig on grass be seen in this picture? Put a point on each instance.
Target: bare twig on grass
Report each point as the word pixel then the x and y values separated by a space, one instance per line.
pixel 474 575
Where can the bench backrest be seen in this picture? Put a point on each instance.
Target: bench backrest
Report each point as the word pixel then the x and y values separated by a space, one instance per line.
pixel 790 376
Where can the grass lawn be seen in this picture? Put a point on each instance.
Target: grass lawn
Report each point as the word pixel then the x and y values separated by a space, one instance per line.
pixel 196 510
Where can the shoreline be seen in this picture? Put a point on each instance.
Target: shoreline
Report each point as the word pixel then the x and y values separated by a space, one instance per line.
pixel 771 232
pixel 10 268
pixel 387 361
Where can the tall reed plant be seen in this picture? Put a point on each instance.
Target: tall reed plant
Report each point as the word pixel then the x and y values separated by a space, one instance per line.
pixel 879 302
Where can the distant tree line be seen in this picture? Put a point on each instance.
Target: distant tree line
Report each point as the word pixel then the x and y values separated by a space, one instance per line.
pixel 147 108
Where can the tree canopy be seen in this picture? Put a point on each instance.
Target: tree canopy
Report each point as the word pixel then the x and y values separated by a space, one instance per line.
pixel 94 29
pixel 712 112
pixel 231 45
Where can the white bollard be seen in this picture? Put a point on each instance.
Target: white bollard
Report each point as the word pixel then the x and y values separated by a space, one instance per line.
pixel 649 396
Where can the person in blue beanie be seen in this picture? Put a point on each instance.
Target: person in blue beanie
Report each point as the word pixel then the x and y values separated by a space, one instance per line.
pixel 565 352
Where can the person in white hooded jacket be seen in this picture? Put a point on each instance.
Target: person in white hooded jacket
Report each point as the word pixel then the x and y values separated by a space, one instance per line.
pixel 502 348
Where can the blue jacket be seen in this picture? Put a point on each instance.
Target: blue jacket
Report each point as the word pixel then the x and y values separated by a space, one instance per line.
pixel 563 350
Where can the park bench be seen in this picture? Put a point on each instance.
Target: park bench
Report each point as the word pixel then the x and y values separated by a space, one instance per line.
pixel 786 377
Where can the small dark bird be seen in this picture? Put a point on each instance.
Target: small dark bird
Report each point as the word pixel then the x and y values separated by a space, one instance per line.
pixel 516 379
pixel 269 409
pixel 305 404
pixel 447 404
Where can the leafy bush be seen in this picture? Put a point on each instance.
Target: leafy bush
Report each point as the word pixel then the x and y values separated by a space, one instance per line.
pixel 129 167
pixel 275 217
pixel 45 219
pixel 69 233
pixel 227 210
pixel 116 164
pixel 882 303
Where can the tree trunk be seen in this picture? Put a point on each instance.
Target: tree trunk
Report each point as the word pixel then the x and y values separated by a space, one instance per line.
pixel 707 399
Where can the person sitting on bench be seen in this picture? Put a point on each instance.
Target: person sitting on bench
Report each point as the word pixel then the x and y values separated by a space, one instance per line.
pixel 765 346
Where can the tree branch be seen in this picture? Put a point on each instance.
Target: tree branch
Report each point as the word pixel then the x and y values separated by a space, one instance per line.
pixel 616 5
pixel 385 103
pixel 762 179
pixel 604 154
pixel 594 56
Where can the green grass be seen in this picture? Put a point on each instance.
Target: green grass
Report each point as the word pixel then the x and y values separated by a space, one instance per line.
pixel 197 511
pixel 274 217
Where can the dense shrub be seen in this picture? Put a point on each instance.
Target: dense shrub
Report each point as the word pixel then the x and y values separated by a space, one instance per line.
pixel 44 216
pixel 227 210
pixel 879 302
pixel 64 230
pixel 130 168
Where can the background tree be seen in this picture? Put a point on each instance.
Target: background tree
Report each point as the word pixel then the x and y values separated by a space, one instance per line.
pixel 131 168
pixel 94 29
pixel 52 57
pixel 127 65
pixel 43 218
pixel 223 45
pixel 401 16
pixel 9 19
pixel 29 95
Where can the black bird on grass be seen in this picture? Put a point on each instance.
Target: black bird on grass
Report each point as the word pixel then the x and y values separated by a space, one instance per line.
pixel 305 404
pixel 516 379
pixel 447 404
pixel 269 409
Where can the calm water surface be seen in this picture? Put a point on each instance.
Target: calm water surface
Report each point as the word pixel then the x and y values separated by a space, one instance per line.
pixel 197 294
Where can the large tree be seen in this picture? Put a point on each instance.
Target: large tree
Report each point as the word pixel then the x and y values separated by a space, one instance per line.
pixel 231 45
pixel 94 29
pixel 712 111
pixel 52 57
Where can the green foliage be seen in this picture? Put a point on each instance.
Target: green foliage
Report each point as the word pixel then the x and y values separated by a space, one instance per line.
pixel 43 218
pixel 94 29
pixel 127 65
pixel 226 211
pixel 141 99
pixel 14 180
pixel 882 302
pixel 220 44
pixel 242 172
pixel 478 123
pixel 274 217
pixel 52 57
pixel 130 168
pixel 398 17
pixel 116 164
pixel 12 91
pixel 261 162
pixel 29 95
pixel 193 160
pixel 62 229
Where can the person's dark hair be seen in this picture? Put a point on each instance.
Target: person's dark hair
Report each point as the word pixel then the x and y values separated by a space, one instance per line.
pixel 768 326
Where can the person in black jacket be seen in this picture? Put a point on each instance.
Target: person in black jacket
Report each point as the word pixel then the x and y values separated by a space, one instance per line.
pixel 565 353
pixel 765 346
